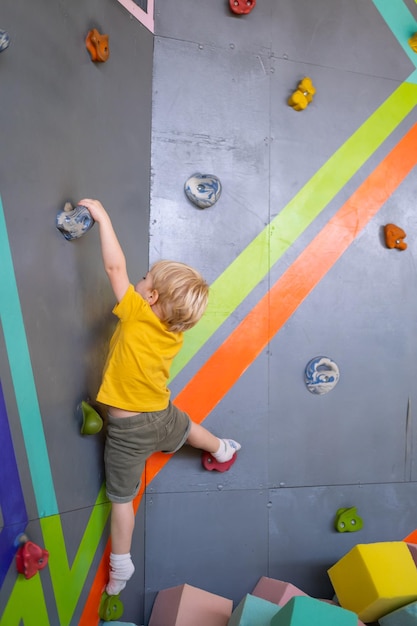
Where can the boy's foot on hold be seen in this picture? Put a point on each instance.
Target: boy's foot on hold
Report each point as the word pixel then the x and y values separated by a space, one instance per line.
pixel 121 570
pixel 223 459
pixel 227 448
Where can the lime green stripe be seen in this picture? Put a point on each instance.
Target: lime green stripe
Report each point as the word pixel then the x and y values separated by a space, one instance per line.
pixel 67 581
pixel 252 265
pixel 26 604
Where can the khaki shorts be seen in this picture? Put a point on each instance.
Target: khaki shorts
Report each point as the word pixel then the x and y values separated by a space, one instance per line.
pixel 131 440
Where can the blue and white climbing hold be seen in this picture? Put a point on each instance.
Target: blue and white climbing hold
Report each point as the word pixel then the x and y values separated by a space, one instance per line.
pixel 203 189
pixel 74 222
pixel 321 375
pixel 4 40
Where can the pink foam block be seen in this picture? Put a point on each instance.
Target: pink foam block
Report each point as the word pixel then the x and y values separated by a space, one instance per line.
pixel 187 606
pixel 413 550
pixel 276 591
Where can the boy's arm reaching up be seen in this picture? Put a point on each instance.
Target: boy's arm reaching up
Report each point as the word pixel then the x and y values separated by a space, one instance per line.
pixel 113 257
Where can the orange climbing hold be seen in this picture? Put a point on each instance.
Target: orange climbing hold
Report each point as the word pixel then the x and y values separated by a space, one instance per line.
pixel 97 45
pixel 394 237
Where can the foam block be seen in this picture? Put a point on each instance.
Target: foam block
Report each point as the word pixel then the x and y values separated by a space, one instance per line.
pixel 412 537
pixel 276 591
pixel 335 602
pixel 375 579
pixel 186 605
pixel 306 611
pixel 253 611
pixel 405 616
pixel 413 551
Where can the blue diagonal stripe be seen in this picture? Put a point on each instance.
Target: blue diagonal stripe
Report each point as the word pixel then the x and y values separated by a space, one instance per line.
pixel 23 380
pixel 12 501
pixel 403 26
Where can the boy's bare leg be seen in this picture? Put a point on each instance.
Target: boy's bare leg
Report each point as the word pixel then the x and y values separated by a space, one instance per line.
pixel 121 566
pixel 122 525
pixel 221 449
pixel 200 437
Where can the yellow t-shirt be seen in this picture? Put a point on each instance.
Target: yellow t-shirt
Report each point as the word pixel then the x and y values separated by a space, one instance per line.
pixel 140 355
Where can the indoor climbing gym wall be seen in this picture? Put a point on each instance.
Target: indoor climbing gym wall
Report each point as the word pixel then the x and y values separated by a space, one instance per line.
pixel 271 145
pixel 71 127
pixel 306 114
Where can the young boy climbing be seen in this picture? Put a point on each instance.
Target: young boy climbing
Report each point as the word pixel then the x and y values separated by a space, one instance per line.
pixel 152 317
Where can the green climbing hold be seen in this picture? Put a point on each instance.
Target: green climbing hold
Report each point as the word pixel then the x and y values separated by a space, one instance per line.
pixel 111 608
pixel 348 520
pixel 92 422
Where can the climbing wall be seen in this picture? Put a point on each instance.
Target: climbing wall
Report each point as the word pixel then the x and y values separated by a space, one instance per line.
pixel 294 250
pixel 70 128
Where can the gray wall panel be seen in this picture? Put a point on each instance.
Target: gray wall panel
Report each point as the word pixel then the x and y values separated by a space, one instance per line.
pixel 72 129
pixel 207 545
pixel 214 24
pixel 349 36
pixel 303 542
pixel 200 129
pixel 66 128
pixel 303 142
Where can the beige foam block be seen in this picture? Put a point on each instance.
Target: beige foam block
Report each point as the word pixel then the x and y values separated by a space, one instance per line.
pixel 276 591
pixel 187 606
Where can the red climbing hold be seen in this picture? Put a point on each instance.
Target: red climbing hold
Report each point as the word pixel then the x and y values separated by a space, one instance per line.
pixel 210 463
pixel 241 7
pixel 30 558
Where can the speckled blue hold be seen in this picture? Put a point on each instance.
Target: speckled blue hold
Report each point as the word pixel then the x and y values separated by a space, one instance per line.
pixel 4 40
pixel 203 189
pixel 73 223
pixel 321 375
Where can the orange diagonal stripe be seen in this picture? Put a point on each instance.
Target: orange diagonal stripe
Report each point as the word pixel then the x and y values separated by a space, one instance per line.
pixel 216 377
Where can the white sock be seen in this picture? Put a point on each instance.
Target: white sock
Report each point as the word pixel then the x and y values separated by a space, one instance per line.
pixel 121 569
pixel 227 449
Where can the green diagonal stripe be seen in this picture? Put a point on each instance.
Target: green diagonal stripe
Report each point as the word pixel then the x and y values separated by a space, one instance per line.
pixel 68 581
pixel 252 265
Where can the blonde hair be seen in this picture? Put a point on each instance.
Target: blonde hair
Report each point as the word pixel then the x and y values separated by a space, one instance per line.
pixel 183 294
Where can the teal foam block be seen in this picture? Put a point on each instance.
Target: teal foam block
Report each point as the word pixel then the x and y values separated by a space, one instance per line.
pixel 405 616
pixel 253 611
pixel 305 611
